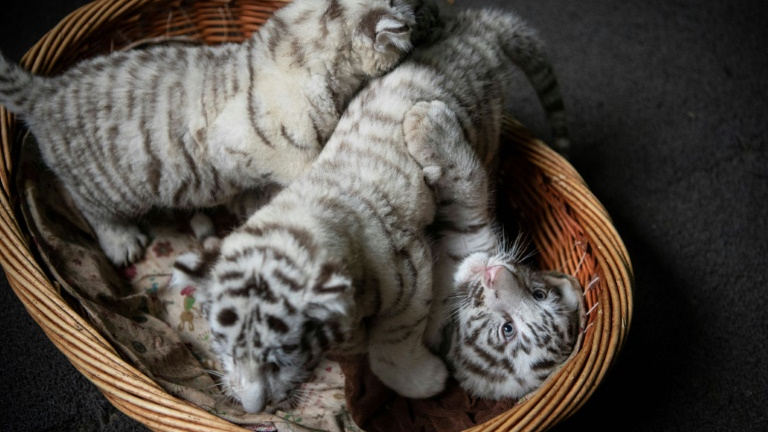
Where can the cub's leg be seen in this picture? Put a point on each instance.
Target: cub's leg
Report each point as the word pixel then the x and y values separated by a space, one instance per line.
pixel 436 141
pixel 464 223
pixel 396 350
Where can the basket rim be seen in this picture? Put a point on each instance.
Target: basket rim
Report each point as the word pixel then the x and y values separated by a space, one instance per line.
pixel 139 397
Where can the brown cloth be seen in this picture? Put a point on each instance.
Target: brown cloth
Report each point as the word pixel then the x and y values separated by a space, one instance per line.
pixel 376 408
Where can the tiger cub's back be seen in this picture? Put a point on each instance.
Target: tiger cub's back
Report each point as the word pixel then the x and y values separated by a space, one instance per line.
pixel 175 126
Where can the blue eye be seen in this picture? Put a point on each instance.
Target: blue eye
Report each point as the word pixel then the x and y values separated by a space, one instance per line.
pixel 539 294
pixel 508 331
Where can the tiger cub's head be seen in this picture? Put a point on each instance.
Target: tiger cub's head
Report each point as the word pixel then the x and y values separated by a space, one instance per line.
pixel 367 37
pixel 273 313
pixel 513 326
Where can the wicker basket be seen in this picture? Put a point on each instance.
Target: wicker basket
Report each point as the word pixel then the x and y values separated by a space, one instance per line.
pixel 569 227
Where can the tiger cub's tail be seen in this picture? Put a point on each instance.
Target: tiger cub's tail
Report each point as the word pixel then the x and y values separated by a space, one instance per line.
pixel 16 87
pixel 522 46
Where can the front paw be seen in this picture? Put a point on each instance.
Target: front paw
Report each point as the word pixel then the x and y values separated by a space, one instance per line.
pixel 122 244
pixel 430 129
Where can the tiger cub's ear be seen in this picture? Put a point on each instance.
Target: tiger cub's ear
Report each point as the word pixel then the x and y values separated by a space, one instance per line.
pixel 192 269
pixel 392 32
pixel 331 296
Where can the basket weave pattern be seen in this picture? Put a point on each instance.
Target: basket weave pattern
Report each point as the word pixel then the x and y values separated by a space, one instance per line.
pixel 569 227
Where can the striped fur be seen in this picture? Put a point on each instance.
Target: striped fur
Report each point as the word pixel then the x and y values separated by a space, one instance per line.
pixel 513 326
pixel 181 126
pixel 337 261
pixel 502 327
pixel 340 257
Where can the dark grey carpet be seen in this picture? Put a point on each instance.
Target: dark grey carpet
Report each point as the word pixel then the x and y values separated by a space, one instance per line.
pixel 669 115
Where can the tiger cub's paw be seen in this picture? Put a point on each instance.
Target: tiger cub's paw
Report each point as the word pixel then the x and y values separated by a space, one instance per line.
pixel 416 377
pixel 123 244
pixel 431 129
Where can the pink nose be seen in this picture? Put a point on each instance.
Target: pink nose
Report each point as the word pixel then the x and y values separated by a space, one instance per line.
pixel 491 273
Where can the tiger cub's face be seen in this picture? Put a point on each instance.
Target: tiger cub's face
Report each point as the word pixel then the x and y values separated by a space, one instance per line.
pixel 515 326
pixel 371 36
pixel 273 313
pixel 390 27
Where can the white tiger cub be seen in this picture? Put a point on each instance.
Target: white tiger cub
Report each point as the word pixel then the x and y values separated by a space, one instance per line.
pixel 337 262
pixel 193 126
pixel 502 327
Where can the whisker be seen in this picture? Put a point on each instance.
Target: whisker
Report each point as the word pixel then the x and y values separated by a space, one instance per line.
pixel 221 390
pixel 578 266
pixel 592 308
pixel 591 284
pixel 300 396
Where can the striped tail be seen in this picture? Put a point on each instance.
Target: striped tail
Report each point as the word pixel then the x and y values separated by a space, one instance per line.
pixel 526 51
pixel 15 87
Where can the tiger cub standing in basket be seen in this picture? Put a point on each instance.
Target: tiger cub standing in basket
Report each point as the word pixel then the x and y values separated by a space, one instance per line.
pixel 502 327
pixel 183 127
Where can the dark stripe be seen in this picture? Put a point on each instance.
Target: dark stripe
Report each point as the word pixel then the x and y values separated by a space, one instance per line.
pixel 153 171
pixel 255 287
pixel 316 330
pixel 370 21
pixel 248 251
pixel 469 366
pixel 336 97
pixel 543 364
pixel 276 31
pixel 304 238
pixel 550 85
pixel 297 52
pixel 227 317
pixel 335 11
pixel 327 271
pixel 303 17
pixel 292 284
pixel 215 190
pixel 113 159
pixel 290 139
pixel 336 333
pixel 231 275
pixel 181 191
pixel 83 153
pixel 289 308
pixel 276 324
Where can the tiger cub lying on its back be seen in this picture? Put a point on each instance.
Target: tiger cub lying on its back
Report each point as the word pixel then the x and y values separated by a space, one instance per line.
pixel 502 327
